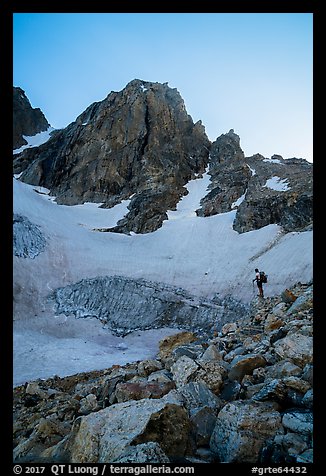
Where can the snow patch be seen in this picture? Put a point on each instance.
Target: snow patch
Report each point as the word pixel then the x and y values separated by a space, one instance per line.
pixel 36 140
pixel 276 183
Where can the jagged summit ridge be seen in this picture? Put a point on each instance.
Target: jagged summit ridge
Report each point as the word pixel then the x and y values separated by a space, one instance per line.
pixel 140 144
pixel 27 121
pixel 263 191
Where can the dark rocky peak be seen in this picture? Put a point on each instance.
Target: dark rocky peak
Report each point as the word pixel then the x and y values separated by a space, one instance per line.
pixel 229 175
pixel 289 170
pixel 279 191
pixel 226 150
pixel 137 141
pixel 27 121
pixel 262 190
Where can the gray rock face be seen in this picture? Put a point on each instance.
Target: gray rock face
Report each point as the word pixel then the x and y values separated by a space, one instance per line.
pixel 150 452
pixel 28 240
pixel 27 121
pixel 280 191
pixel 139 141
pixel 131 304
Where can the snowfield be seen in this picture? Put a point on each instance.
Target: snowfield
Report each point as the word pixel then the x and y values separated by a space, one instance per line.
pixel 204 256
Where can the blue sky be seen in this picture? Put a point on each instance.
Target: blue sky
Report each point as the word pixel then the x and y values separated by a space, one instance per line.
pixel 251 72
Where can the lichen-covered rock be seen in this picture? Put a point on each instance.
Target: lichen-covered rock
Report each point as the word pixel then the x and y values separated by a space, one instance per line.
pixel 89 404
pixel 115 300
pixel 150 452
pixel 183 370
pixel 125 391
pixel 197 394
pixel 211 373
pixel 242 429
pixel 299 421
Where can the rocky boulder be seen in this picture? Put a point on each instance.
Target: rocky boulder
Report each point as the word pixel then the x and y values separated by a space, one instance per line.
pixel 27 121
pixel 279 191
pixel 296 347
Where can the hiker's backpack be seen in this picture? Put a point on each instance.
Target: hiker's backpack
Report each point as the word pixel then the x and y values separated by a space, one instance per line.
pixel 263 277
